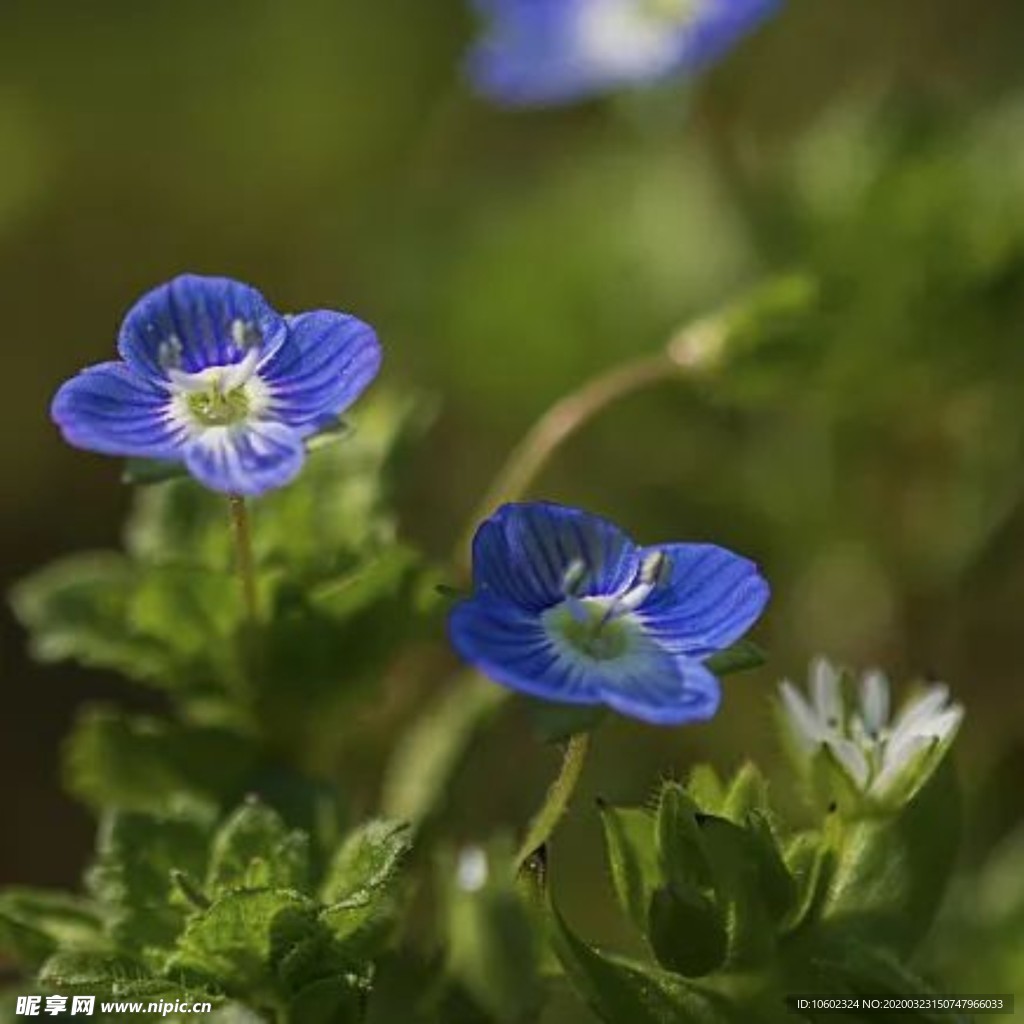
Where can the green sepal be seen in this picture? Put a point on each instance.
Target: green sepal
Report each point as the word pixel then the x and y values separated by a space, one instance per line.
pixel 743 656
pixel 687 931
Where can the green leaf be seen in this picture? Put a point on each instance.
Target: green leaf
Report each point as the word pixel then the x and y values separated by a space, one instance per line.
pixel 232 942
pixel 34 922
pixel 891 872
pixel 810 861
pixel 778 888
pixel 76 610
pixel 687 931
pixel 681 849
pixel 747 792
pixel 430 753
pixel 90 972
pixel 706 789
pixel 382 577
pixel 132 876
pixel 363 882
pixel 152 765
pixel 556 723
pixel 741 657
pixel 253 849
pixel 145 472
pixel 620 990
pixel 493 951
pixel 629 834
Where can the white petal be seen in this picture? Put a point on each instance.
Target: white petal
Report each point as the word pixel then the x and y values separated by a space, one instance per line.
pixel 896 760
pixel 852 759
pixel 874 701
pixel 826 692
pixel 807 728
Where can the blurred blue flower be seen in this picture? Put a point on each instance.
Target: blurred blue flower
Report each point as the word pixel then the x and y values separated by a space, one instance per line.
pixel 538 52
pixel 566 607
pixel 213 377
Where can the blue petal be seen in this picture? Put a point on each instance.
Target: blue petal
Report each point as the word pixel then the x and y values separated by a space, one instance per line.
pixel 537 52
pixel 190 323
pixel 655 692
pixel 325 364
pixel 510 645
pixel 523 551
pixel 247 459
pixel 109 409
pixel 710 598
pixel 718 26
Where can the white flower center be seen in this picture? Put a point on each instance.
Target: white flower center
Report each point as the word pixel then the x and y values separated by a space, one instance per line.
pixel 628 36
pixel 218 396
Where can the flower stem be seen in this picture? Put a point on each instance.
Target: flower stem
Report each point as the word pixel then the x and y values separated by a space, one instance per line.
pixel 556 803
pixel 244 561
pixel 691 349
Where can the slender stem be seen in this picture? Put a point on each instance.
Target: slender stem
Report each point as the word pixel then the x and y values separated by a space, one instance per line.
pixel 244 562
pixel 691 349
pixel 556 803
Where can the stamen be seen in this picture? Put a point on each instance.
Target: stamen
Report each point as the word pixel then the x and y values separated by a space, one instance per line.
pixel 245 334
pixel 654 570
pixel 169 353
pixel 572 582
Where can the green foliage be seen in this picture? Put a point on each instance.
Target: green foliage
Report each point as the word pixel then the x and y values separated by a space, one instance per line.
pixel 736 915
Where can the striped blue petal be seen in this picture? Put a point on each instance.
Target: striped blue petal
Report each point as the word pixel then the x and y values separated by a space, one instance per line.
pixel 523 552
pixel 109 409
pixel 708 599
pixel 661 690
pixel 192 322
pixel 510 645
pixel 245 459
pixel 324 365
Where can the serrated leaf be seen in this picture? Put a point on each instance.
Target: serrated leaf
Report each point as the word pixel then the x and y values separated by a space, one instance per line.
pixel 132 876
pixel 687 931
pixel 254 849
pixel 630 840
pixel 363 882
pixel 91 972
pixel 429 754
pixel 152 765
pixel 231 942
pixel 743 656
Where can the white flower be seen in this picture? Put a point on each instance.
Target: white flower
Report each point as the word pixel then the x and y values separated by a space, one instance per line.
pixel 887 759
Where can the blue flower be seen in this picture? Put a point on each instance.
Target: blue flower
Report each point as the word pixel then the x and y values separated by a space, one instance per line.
pixel 213 377
pixel 566 607
pixel 537 52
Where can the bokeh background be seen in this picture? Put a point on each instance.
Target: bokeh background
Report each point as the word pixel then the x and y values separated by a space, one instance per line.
pixel 331 153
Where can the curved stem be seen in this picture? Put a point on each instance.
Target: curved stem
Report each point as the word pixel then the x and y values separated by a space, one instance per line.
pixel 556 803
pixel 244 561
pixel 691 349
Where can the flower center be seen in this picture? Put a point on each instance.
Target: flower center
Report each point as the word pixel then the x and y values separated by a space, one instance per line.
pixel 586 627
pixel 216 408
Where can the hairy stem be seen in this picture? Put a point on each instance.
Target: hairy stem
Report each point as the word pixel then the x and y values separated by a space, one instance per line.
pixel 556 803
pixel 244 562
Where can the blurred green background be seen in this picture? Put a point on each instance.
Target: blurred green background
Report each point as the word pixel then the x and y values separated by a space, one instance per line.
pixel 330 153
